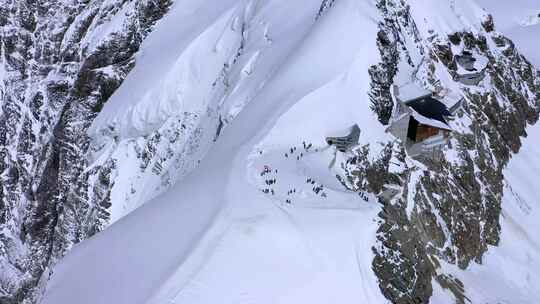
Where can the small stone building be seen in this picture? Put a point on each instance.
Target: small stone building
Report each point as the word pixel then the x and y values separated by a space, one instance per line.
pixel 419 120
pixel 471 70
pixel 346 142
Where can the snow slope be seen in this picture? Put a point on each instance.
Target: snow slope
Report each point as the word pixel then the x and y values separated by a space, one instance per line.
pixel 228 236
pixel 520 21
pixel 218 236
pixel 211 75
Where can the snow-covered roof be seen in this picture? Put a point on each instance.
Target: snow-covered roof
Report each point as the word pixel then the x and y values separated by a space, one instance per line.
pixel 346 132
pixel 410 91
pixel 481 63
pixel 429 122
pixel 430 107
pixel 531 20
pixel 469 63
pixel 449 98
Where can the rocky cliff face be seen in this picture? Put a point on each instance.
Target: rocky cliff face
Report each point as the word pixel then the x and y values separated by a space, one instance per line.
pixel 448 207
pixel 60 61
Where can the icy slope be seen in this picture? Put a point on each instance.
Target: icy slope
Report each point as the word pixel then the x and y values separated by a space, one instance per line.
pixel 203 81
pixel 519 20
pixel 219 207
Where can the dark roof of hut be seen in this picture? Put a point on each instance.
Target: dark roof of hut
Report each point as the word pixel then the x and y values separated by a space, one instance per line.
pixel 430 108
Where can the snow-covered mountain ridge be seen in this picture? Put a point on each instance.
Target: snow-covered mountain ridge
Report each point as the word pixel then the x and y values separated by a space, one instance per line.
pixel 215 139
pixel 59 62
pixel 516 19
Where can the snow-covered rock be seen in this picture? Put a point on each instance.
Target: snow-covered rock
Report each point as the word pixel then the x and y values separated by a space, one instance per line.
pixel 59 62
pixel 519 20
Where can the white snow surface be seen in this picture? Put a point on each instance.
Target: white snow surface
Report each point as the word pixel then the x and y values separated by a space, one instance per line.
pixel 410 91
pixel 445 17
pixel 520 21
pixel 176 68
pixel 215 237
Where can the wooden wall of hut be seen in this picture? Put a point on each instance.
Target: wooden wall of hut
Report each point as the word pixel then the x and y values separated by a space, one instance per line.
pixel 425 132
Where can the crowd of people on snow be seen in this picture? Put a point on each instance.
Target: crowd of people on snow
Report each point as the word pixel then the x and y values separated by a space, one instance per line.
pixel 292 152
pixel 363 195
pixel 317 188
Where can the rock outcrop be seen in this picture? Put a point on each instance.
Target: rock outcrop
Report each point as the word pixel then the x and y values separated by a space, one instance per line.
pixel 446 209
pixel 60 62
